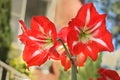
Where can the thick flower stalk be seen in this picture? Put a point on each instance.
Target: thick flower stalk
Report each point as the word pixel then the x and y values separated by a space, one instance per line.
pixel 38 40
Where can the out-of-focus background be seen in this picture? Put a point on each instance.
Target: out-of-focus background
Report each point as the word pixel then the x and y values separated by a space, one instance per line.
pixel 12 67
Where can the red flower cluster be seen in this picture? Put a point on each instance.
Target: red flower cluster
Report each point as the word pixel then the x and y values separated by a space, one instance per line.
pixel 86 35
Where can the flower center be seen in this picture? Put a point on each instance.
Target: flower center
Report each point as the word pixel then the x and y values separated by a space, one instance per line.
pixel 48 44
pixel 84 35
pixel 49 40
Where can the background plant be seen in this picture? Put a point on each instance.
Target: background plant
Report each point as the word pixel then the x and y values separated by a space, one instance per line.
pixel 5 30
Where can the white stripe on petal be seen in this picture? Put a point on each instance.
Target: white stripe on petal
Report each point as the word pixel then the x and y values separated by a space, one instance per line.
pixel 97 25
pixel 89 49
pixel 36 53
pixel 41 29
pixel 35 39
pixel 87 17
pixel 77 29
pixel 74 43
pixel 100 42
pixel 50 32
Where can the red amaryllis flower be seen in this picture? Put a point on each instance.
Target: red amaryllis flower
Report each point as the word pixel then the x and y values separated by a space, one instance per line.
pixel 88 34
pixel 38 40
pixel 107 74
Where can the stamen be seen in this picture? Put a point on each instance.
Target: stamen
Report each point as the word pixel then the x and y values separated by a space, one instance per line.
pixel 84 36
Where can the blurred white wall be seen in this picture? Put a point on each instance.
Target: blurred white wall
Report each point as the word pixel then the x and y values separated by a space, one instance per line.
pixel 17 13
pixel 112 60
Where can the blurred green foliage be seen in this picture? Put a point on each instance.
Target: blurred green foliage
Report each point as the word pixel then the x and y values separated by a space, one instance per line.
pixel 5 30
pixel 89 70
pixel 15 60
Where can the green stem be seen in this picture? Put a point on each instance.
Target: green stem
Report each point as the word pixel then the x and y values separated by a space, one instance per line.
pixel 74 72
pixel 68 54
pixel 74 68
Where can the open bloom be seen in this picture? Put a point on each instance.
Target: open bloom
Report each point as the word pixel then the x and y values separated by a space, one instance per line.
pixel 88 34
pixel 38 40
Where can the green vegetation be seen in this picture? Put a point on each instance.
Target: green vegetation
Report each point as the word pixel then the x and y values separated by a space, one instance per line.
pixel 15 60
pixel 5 30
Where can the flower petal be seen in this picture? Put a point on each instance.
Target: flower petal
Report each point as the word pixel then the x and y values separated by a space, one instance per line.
pixel 108 74
pixel 33 56
pixel 104 43
pixel 96 22
pixel 80 59
pixel 86 10
pixel 24 27
pixel 92 51
pixel 44 26
pixel 65 62
pixel 62 34
pixel 72 37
